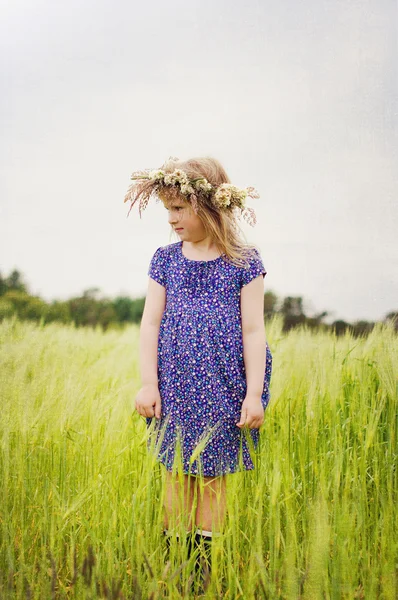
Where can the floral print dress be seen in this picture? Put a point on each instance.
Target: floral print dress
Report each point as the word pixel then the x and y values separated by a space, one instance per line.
pixel 201 371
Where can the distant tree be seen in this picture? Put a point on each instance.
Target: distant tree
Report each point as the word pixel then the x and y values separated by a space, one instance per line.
pixel 19 301
pixel 3 285
pixel 292 311
pixel 6 308
pixel 106 313
pixel 58 311
pixel 315 322
pixel 14 282
pixel 83 310
pixel 392 317
pixel 123 308
pixel 270 304
pixel 35 309
pixel 137 309
pixel 92 293
pixel 92 310
pixel 292 306
pixel 340 327
pixel 362 327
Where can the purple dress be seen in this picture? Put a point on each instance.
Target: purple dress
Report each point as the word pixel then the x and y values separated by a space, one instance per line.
pixel 201 371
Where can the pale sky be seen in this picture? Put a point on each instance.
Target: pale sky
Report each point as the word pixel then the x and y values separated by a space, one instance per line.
pixel 297 99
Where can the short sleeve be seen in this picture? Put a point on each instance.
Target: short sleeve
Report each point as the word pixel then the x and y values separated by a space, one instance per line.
pixel 157 267
pixel 256 268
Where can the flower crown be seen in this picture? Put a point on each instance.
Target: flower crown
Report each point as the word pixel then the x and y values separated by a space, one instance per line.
pixel 224 196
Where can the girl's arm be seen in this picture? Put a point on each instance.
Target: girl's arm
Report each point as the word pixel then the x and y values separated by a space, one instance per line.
pixel 148 401
pixel 155 303
pixel 254 348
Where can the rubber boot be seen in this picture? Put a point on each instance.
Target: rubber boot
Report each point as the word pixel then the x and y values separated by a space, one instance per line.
pixel 167 536
pixel 202 545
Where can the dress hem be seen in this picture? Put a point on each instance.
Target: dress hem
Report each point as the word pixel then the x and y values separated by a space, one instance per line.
pixel 161 462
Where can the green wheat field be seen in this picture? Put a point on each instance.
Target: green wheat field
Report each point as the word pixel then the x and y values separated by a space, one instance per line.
pixel 81 511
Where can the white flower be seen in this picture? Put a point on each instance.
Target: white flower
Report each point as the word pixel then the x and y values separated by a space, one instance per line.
pixel 203 184
pixel 229 195
pixel 168 179
pixel 186 188
pixel 177 176
pixel 222 197
pixel 241 196
pixel 156 175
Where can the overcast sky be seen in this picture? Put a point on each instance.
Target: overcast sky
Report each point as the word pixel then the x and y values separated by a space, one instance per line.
pixel 297 99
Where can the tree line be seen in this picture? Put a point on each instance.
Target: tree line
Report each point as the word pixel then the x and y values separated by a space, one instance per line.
pixel 92 310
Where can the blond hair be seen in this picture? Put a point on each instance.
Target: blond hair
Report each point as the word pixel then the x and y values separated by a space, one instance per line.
pixel 220 225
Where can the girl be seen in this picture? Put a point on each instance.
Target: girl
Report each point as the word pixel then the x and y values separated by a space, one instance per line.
pixel 205 362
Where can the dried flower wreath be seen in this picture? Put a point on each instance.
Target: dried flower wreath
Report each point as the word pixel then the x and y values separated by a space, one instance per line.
pixel 224 196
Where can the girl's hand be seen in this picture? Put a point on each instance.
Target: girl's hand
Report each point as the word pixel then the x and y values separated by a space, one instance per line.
pixel 252 413
pixel 148 402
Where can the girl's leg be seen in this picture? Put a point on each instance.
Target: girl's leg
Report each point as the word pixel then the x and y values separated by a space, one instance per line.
pixel 211 507
pixel 178 502
pixel 209 518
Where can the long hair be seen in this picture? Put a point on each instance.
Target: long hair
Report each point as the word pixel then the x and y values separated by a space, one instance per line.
pixel 220 225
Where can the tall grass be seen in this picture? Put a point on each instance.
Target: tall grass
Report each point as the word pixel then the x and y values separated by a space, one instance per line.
pixel 81 499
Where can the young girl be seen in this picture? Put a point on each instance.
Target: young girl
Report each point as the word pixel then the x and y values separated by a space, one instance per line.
pixel 205 362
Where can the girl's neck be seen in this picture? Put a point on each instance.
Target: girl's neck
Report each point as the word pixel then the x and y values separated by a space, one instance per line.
pixel 198 250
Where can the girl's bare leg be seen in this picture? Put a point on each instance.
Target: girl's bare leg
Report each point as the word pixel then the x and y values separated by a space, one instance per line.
pixel 211 508
pixel 177 501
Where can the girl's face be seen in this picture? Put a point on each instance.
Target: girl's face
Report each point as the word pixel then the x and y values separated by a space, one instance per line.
pixel 184 221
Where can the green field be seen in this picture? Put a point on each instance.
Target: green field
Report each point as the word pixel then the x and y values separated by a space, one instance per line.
pixel 81 500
